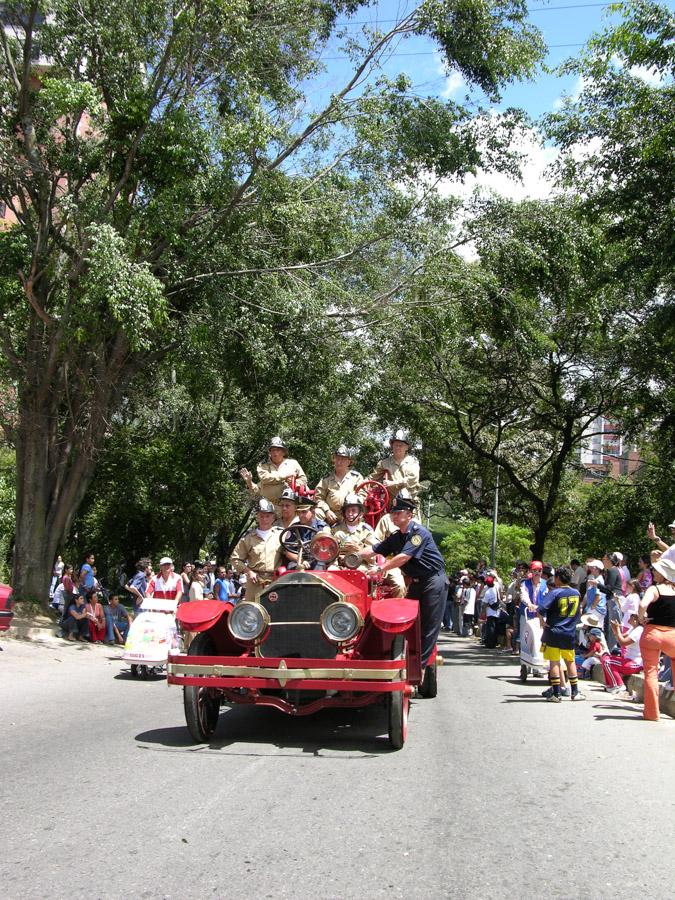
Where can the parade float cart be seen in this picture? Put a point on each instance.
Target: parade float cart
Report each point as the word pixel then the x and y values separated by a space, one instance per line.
pixel 314 640
pixel 153 633
pixel 531 660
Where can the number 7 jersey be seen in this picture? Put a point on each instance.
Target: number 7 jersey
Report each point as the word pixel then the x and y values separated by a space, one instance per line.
pixel 561 609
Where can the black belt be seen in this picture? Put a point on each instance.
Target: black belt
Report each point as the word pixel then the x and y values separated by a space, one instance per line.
pixel 421 578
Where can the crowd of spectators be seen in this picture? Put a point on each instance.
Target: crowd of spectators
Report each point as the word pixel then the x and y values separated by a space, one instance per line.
pixel 89 612
pixel 623 621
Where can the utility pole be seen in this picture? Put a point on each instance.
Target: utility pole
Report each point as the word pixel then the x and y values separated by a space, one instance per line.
pixel 495 513
pixel 428 511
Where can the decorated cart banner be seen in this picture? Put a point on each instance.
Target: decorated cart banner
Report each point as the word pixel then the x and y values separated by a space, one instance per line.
pixel 151 637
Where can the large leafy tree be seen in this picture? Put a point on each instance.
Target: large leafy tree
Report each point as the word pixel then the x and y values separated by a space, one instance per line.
pixel 617 140
pixel 520 352
pixel 165 163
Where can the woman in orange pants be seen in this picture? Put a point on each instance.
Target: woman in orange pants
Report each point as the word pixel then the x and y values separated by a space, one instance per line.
pixel 657 613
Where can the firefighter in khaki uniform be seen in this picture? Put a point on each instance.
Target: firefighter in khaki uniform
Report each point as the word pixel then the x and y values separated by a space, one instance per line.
pixel 352 533
pixel 401 469
pixel 333 488
pixel 275 474
pixel 258 553
pixel 384 528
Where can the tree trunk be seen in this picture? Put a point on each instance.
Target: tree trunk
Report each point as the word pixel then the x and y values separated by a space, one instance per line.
pixel 57 441
pixel 34 544
pixel 540 534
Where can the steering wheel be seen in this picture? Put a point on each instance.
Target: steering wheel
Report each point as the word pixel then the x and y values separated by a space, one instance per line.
pixel 376 501
pixel 303 535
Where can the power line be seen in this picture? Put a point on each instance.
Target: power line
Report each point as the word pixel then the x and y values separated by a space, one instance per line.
pixel 531 10
pixel 431 53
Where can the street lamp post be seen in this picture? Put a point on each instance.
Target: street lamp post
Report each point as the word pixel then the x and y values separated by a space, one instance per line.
pixel 495 513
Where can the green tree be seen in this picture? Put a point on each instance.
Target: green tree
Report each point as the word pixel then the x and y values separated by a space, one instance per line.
pixel 616 137
pixel 151 170
pixel 521 351
pixel 472 541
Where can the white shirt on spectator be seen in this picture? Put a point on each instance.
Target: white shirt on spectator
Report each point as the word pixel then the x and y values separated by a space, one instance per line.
pixel 629 605
pixel 489 597
pixel 468 597
pixel 633 650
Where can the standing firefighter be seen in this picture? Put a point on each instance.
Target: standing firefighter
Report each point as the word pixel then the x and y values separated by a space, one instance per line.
pixel 401 469
pixel 413 550
pixel 274 475
pixel 258 553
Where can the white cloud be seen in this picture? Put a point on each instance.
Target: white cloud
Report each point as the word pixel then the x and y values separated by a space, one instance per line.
pixel 652 77
pixel 534 183
pixel 454 81
pixel 579 85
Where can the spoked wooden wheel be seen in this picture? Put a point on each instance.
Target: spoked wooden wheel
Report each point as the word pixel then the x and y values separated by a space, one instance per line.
pixel 202 705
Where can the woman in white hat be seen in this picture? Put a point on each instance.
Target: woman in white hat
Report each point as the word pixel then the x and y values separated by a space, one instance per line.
pixel 657 613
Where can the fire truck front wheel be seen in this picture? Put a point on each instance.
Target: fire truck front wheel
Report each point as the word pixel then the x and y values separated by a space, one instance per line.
pixel 202 707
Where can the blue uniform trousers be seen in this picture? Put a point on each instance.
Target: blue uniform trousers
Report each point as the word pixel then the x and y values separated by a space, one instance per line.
pixel 431 592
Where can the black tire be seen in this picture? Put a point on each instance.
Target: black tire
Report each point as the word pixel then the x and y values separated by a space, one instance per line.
pixel 145 672
pixel 398 718
pixel 398 703
pixel 202 708
pixel 523 673
pixel 134 670
pixel 429 687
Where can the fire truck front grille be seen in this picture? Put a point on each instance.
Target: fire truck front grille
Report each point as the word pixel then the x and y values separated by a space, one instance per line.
pixel 295 605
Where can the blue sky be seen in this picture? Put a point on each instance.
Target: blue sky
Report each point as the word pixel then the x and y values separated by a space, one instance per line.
pixel 566 26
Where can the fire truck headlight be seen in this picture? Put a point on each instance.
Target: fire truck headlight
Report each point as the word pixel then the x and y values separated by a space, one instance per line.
pixel 341 622
pixel 248 621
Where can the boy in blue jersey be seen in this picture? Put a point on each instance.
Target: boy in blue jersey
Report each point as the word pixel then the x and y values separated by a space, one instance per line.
pixel 559 612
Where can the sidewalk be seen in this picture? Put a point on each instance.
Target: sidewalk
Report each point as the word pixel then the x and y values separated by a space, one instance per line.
pixel 637 684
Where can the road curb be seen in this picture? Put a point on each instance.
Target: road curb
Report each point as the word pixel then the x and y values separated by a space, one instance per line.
pixel 637 684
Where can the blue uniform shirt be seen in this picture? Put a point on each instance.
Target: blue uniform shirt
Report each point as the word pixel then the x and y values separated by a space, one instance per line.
pixel 561 609
pixel 418 543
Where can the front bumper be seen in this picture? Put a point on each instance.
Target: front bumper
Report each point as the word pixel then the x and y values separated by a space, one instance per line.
pixel 231 672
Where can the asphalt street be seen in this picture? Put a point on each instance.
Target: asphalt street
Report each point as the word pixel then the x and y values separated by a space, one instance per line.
pixel 496 792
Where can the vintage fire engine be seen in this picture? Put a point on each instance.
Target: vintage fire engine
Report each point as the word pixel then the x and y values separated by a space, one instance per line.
pixel 314 640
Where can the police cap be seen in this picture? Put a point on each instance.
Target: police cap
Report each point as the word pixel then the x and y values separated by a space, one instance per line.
pixel 402 504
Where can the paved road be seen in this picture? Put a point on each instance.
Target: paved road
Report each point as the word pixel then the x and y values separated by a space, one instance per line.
pixel 496 793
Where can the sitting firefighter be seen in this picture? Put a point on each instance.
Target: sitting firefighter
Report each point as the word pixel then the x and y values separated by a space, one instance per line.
pixel 258 553
pixel 278 472
pixel 333 488
pixel 384 528
pixel 288 507
pixel 305 520
pixel 401 469
pixel 353 534
pixel 413 549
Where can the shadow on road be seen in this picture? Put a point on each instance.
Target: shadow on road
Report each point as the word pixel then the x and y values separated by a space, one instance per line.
pixel 349 733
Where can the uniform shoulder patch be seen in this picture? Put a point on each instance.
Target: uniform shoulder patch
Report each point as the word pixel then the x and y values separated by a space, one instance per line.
pixel 415 540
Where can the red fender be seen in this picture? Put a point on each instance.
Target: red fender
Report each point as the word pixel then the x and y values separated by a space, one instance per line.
pixel 394 616
pixel 200 615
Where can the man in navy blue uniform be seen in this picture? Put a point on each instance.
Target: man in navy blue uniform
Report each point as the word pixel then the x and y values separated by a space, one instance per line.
pixel 413 550
pixel 560 611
